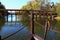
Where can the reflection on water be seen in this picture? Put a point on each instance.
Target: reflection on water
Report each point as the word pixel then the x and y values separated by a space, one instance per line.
pixel 11 27
pixel 8 30
pixel 13 17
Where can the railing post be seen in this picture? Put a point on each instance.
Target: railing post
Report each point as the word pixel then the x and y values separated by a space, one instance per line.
pixel 47 26
pixel 32 23
pixel 46 30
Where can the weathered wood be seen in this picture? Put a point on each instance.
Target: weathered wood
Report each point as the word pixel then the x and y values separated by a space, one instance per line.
pixel 25 10
pixel 32 23
pixel 36 37
pixel 28 11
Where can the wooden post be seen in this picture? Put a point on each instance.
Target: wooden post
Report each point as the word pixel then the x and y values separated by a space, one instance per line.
pixel 46 30
pixel 32 25
pixel 47 26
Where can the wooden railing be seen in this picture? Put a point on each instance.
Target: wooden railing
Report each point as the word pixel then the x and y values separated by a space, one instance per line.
pixel 30 12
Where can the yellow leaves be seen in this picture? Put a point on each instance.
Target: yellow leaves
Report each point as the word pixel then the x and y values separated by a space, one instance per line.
pixel 32 5
pixel 28 7
pixel 35 3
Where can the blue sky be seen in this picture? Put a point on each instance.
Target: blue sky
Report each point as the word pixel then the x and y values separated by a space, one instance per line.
pixel 14 4
pixel 55 1
pixel 17 4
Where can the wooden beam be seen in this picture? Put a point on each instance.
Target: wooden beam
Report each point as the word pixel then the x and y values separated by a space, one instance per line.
pixel 24 10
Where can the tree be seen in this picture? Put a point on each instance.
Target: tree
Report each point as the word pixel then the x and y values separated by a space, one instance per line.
pixel 58 9
pixel 2 13
pixel 32 5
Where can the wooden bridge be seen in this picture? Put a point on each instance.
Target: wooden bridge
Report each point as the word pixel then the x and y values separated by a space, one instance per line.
pixel 33 36
pixel 18 11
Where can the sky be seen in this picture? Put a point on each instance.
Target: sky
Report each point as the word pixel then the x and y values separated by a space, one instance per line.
pixel 55 1
pixel 14 4
pixel 17 4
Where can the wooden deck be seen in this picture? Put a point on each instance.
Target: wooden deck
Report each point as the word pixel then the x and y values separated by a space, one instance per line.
pixel 36 37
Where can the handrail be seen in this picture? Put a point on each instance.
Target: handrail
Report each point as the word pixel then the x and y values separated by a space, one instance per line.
pixel 32 18
pixel 25 10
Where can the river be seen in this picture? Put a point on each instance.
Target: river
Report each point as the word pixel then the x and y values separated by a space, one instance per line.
pixel 13 27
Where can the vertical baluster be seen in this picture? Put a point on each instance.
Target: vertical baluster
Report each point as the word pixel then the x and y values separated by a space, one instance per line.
pixel 32 25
